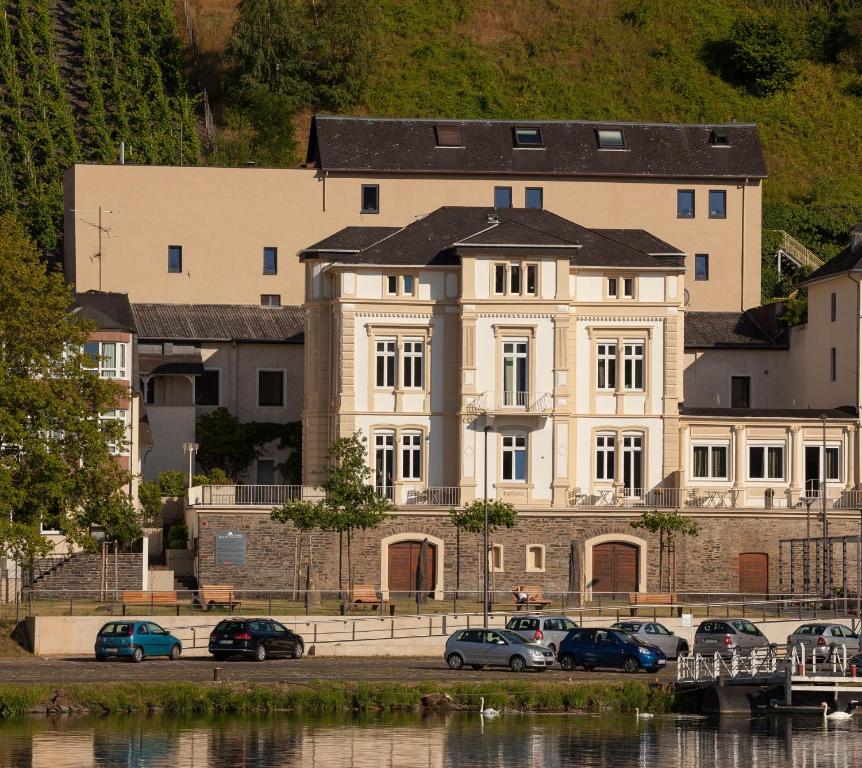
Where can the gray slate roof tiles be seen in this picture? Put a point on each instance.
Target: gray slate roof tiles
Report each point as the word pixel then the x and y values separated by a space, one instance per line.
pixel 219 322
pixel 753 328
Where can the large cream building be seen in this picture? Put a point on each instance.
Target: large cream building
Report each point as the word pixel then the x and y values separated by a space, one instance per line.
pixel 581 298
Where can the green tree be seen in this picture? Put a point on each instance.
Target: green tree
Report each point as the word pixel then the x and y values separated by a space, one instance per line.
pixel 764 53
pixel 306 517
pixel 55 457
pixel 172 483
pixel 471 519
pixel 226 443
pixel 668 524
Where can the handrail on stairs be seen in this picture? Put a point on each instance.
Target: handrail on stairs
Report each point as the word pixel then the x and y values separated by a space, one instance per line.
pixel 796 251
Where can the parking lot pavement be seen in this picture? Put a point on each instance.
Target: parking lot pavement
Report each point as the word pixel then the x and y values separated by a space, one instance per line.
pixel 306 670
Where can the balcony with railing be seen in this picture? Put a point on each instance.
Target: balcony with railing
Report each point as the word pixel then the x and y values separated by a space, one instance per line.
pixel 278 495
pixel 511 402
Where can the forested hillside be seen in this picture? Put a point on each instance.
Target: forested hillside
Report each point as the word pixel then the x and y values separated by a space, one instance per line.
pixel 77 77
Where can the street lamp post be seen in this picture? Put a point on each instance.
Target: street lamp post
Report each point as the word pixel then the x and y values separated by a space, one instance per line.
pixel 827 554
pixel 191 449
pixel 806 564
pixel 489 423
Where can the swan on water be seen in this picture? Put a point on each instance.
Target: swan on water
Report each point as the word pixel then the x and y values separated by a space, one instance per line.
pixel 836 715
pixel 486 712
pixel 642 715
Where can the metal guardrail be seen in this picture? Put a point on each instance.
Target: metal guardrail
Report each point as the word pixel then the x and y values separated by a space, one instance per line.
pixel 796 251
pixel 511 402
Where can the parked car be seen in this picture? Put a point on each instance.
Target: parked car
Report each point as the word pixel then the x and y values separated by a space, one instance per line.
pixel 257 638
pixel 590 647
pixel 495 648
pixel 823 639
pixel 135 640
pixel 726 636
pixel 548 631
pixel 653 633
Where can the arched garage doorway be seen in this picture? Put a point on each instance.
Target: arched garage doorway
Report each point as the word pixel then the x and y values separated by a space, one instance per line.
pixel 399 565
pixel 615 563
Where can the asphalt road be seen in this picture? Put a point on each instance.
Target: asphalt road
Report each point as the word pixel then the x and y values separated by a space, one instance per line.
pixel 303 671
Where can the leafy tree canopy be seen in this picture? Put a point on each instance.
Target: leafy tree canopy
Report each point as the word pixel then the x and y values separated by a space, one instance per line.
pixel 472 517
pixel 670 522
pixel 764 53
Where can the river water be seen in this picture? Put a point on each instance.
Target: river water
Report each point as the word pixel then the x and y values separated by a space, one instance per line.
pixel 458 739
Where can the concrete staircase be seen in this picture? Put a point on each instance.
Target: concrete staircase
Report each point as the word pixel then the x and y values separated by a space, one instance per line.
pixel 81 572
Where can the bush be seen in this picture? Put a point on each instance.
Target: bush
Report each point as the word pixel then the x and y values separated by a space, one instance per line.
pixel 178 536
pixel 762 54
pixel 173 483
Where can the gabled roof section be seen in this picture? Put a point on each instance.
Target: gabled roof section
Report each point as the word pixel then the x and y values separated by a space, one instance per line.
pixel 354 238
pixel 568 148
pixel 440 237
pixel 108 311
pixel 219 322
pixel 756 328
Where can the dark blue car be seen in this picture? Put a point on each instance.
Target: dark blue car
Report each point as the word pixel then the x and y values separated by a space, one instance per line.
pixel 590 648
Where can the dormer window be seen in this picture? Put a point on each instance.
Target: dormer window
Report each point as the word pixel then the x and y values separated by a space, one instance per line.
pixel 529 138
pixel 610 138
pixel 448 135
pixel 719 139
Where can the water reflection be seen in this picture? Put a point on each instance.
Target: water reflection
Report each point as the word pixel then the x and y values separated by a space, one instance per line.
pixel 549 741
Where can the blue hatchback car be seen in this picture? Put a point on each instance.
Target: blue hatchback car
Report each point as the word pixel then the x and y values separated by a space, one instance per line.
pixel 134 640
pixel 590 648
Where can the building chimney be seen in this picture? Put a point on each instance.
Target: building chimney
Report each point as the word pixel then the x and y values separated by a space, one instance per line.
pixel 856 238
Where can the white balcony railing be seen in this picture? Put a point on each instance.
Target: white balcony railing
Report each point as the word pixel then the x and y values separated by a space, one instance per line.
pixel 434 497
pixel 256 495
pixel 509 401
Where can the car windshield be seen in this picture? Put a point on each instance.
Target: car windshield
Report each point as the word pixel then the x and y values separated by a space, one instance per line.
pixel 512 637
pixel 625 637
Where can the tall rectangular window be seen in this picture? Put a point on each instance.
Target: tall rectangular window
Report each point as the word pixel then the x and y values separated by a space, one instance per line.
pixel 709 462
pixel 533 197
pixel 270 388
pixel 412 363
pixel 499 278
pixel 411 456
pixel 740 391
pixel 409 284
pixel 701 266
pixel 532 275
pixel 207 388
pixel 606 357
pixel 717 204
pixel 385 363
pixel 515 373
pixel 515 458
pixel 384 462
pixel 175 258
pixel 633 365
pixel 612 287
pixel 685 203
pixel 628 287
pixel 270 261
pixel 370 198
pixel 766 462
pixel 833 307
pixel 502 197
pixel 605 457
pixel 833 364
pixel 392 284
pixel 515 279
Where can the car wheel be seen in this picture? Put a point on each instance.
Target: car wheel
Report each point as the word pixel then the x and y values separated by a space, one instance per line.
pixel 298 649
pixel 630 664
pixel 567 662
pixel 137 654
pixel 517 663
pixel 455 661
pixel 260 652
pixel 175 652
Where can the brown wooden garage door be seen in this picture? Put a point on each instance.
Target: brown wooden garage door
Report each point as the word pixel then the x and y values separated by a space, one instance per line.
pixel 403 565
pixel 754 573
pixel 615 567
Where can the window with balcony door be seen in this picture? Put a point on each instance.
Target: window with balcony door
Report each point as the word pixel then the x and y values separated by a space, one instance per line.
pixel 384 462
pixel 107 359
pixel 633 464
pixel 411 358
pixel 766 462
pixel 514 458
pixel 606 366
pixel 633 365
pixel 384 362
pixel 411 455
pixel 709 462
pixel 515 372
pixel 605 457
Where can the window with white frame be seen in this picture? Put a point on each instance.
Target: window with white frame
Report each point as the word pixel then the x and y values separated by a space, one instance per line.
pixel 633 365
pixel 495 558
pixel 515 458
pixel 108 358
pixel 766 462
pixel 628 287
pixel 411 455
pixel 384 360
pixel 613 290
pixel 709 462
pixel 535 558
pixel 606 360
pixel 515 373
pixel 605 456
pixel 392 285
pixel 532 279
pixel 384 462
pixel 412 355
pixel 105 418
pixel 516 279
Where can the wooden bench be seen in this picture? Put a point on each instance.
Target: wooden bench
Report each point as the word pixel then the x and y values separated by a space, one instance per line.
pixel 534 596
pixel 218 595
pixel 651 598
pixel 151 600
pixel 366 594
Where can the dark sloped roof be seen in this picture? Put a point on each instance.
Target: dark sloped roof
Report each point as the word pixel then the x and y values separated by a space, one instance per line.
pixel 845 413
pixel 108 311
pixel 437 239
pixel 354 238
pixel 219 322
pixel 845 261
pixel 753 328
pixel 642 240
pixel 570 148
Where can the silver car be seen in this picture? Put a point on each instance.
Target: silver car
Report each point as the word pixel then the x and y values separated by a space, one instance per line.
pixel 653 633
pixel 822 639
pixel 726 636
pixel 548 631
pixel 479 648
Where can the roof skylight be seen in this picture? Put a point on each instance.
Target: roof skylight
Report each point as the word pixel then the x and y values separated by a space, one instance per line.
pixel 610 138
